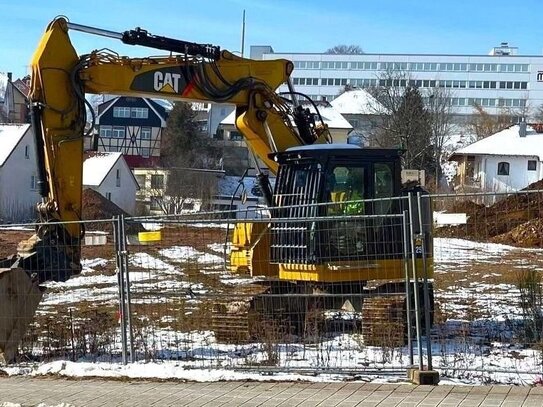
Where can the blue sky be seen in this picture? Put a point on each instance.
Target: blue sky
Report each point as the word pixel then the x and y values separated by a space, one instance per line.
pixel 392 26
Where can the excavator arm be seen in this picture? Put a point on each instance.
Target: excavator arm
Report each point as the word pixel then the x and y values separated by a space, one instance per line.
pixel 60 80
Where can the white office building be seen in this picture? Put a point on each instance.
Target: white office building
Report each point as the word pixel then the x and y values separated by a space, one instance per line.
pixel 501 79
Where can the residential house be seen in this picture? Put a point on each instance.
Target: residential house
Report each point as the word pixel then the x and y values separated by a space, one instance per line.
pixel 132 126
pixel 178 190
pixel 109 174
pixel 18 173
pixel 360 109
pixel 236 156
pixel 508 160
pixel 15 106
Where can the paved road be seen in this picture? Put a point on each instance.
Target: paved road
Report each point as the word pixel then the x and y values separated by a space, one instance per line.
pixel 23 391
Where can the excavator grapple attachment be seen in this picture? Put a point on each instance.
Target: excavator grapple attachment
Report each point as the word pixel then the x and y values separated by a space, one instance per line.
pixel 19 299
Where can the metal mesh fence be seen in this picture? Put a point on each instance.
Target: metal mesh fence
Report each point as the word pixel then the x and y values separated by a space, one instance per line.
pixel 77 318
pixel 210 292
pixel 488 265
pixel 312 288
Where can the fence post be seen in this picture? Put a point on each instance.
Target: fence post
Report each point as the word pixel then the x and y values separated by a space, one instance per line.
pixel 415 282
pixel 128 302
pixel 120 281
pixel 425 288
pixel 407 287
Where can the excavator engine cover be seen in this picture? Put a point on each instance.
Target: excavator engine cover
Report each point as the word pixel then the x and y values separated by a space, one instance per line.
pixel 19 299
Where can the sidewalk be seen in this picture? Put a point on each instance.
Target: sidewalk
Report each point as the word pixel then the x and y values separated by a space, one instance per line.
pixel 58 391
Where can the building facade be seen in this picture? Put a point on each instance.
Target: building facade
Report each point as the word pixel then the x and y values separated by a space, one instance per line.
pixel 132 126
pixel 18 173
pixel 109 175
pixel 502 79
pixel 508 160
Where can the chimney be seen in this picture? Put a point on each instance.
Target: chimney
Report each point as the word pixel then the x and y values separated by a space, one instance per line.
pixel 522 129
pixel 10 76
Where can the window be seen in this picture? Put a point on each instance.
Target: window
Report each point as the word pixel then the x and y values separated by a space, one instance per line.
pixel 118 178
pixel 145 133
pixel 236 136
pixel 139 113
pixel 27 152
pixel 503 168
pixel 155 203
pixel 532 165
pixel 118 132
pixel 346 184
pixel 121 112
pixel 157 181
pixel 33 183
pixel 105 131
pixel 108 195
pixel 145 152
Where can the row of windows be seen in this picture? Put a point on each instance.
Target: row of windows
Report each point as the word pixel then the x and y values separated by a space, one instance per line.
pixel 421 83
pixel 131 112
pixel 411 66
pixel 486 102
pixel 483 84
pixel 145 152
pixel 503 167
pixel 120 132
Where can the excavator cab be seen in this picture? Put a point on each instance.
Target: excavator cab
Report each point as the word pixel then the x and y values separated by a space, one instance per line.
pixel 335 181
pixel 331 202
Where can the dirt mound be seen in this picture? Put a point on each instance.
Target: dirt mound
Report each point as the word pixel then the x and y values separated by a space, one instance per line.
pixel 97 207
pixel 517 217
pixel 534 186
pixel 528 234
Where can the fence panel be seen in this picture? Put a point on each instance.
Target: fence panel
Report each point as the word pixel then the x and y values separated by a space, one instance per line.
pixel 193 297
pixel 488 293
pixel 77 318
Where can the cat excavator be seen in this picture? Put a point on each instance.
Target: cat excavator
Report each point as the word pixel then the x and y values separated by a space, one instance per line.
pixel 298 259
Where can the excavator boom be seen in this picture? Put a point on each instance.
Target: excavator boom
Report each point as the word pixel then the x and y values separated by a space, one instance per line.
pixel 60 80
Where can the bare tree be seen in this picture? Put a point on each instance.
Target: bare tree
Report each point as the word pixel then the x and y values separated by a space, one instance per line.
pixel 345 50
pixel 441 123
pixel 538 114
pixel 179 188
pixel 406 120
pixel 484 124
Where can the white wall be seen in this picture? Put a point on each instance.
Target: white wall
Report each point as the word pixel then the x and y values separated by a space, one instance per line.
pixel 217 114
pixel 519 177
pixel 17 199
pixel 124 196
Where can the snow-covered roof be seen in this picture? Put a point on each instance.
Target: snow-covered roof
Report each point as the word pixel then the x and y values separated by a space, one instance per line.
pixel 331 117
pixel 357 101
pixel 506 142
pixel 10 136
pixel 96 167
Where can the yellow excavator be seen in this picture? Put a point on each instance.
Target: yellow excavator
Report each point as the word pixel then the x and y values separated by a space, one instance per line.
pixel 299 259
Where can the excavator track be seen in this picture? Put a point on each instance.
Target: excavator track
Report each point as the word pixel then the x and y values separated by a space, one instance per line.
pixel 384 321
pixel 233 319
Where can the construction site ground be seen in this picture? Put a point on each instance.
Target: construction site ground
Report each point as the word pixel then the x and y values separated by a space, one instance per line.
pixel 48 392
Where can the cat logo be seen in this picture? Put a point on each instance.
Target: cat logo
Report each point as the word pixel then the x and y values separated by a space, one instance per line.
pixel 166 82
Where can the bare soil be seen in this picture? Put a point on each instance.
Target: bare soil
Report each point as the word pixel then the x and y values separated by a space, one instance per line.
pixel 516 220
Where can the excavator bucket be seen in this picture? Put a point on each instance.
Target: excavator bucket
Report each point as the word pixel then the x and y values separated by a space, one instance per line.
pixel 19 299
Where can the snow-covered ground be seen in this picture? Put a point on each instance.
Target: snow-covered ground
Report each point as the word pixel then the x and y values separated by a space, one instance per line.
pixel 474 341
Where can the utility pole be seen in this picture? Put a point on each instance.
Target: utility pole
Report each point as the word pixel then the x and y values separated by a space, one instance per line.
pixel 243 33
